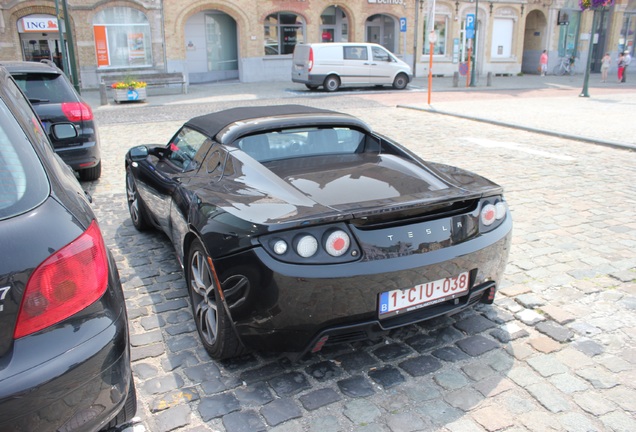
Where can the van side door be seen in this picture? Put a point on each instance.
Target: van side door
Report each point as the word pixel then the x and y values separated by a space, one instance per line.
pixel 356 64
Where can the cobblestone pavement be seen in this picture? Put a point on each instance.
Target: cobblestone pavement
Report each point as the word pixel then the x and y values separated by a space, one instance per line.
pixel 555 352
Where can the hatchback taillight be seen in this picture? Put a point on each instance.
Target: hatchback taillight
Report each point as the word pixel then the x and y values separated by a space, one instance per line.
pixel 65 283
pixel 77 111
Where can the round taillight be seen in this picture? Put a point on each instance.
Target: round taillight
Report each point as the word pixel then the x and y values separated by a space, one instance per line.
pixel 337 243
pixel 500 209
pixel 488 214
pixel 279 247
pixel 307 246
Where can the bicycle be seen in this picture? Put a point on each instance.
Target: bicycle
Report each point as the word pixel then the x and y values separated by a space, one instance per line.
pixel 566 66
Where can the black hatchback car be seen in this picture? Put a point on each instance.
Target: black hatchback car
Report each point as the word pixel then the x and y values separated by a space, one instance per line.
pixel 64 342
pixel 56 101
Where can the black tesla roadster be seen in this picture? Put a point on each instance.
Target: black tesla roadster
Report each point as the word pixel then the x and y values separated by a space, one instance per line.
pixel 299 226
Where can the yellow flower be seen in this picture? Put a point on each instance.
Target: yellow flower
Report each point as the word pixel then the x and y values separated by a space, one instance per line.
pixel 128 84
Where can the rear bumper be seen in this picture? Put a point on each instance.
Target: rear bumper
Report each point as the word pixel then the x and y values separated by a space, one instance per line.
pixel 87 155
pixel 316 80
pixel 291 307
pixel 74 377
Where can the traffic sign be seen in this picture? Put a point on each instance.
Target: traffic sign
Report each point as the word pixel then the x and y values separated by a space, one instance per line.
pixel 403 25
pixel 470 21
pixel 470 33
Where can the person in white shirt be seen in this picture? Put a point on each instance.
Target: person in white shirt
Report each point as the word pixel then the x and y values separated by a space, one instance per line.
pixel 627 59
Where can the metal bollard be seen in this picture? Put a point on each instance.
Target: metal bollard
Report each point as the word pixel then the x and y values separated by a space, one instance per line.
pixel 103 97
pixel 455 79
pixel 489 79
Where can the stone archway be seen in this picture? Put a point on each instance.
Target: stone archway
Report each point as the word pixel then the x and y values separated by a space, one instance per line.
pixel 534 41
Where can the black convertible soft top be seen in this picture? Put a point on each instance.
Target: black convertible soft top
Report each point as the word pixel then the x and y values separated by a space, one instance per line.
pixel 213 123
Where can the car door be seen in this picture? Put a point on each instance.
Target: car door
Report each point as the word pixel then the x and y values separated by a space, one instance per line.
pixel 381 66
pixel 168 173
pixel 356 64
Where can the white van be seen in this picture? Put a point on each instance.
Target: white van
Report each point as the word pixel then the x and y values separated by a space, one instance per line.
pixel 335 64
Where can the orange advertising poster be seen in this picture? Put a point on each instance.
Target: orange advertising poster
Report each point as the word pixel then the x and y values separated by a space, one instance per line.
pixel 101 46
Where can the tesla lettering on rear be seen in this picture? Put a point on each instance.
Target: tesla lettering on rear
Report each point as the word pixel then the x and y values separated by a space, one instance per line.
pixel 3 293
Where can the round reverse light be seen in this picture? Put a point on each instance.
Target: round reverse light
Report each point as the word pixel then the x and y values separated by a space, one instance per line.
pixel 307 246
pixel 280 247
pixel 337 243
pixel 500 210
pixel 488 214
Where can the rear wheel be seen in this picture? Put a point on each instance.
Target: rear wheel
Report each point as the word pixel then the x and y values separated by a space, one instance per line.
pixel 558 70
pixel 213 324
pixel 400 82
pixel 136 207
pixel 332 83
pixel 91 174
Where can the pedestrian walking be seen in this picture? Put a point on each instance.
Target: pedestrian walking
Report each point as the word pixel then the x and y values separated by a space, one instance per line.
pixel 621 66
pixel 627 59
pixel 606 61
pixel 543 63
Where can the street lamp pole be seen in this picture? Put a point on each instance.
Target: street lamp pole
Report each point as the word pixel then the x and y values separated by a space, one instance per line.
pixel 584 92
pixel 71 49
pixel 472 72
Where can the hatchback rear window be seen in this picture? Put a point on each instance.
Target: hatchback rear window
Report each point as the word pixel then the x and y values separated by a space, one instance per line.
pixel 23 182
pixel 45 88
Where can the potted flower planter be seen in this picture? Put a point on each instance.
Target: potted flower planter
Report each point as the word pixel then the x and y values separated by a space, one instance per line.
pixel 130 94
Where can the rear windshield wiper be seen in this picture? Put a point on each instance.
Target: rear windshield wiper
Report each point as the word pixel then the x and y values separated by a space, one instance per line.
pixel 34 100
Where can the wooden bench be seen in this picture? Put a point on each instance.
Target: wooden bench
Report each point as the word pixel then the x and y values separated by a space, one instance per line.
pixel 151 79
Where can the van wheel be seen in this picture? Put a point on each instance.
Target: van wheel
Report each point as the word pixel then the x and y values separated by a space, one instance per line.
pixel 332 83
pixel 400 82
pixel 311 86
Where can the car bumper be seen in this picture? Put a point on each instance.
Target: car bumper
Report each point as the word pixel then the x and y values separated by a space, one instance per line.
pixel 316 80
pixel 52 382
pixel 289 308
pixel 86 155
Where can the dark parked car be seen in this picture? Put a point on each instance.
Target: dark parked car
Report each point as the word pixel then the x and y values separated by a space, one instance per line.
pixel 64 344
pixel 298 227
pixel 56 101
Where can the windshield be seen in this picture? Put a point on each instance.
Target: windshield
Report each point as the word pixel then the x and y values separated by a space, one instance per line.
pixel 23 183
pixel 305 142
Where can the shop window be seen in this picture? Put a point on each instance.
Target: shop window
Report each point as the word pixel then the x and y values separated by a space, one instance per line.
pixel 282 32
pixel 502 32
pixel 568 32
pixel 122 38
pixel 333 25
pixel 439 47
pixel 628 31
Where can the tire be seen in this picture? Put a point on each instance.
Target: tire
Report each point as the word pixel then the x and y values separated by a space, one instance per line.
pixel 91 174
pixel 400 82
pixel 332 83
pixel 311 86
pixel 213 324
pixel 571 71
pixel 558 70
pixel 136 207
pixel 128 411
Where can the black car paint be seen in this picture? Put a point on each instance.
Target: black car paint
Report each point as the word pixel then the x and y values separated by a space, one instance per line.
pixel 83 152
pixel 276 309
pixel 54 378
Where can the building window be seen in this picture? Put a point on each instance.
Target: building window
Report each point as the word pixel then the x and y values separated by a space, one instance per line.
pixel 333 25
pixel 568 33
pixel 502 32
pixel 282 32
pixel 439 47
pixel 122 38
pixel 628 30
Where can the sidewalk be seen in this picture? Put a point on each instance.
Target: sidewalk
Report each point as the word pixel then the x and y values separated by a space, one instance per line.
pixel 548 104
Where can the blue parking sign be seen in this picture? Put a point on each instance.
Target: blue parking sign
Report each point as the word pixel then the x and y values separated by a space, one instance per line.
pixel 470 21
pixel 403 25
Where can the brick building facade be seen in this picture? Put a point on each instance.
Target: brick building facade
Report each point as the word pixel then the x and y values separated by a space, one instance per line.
pixel 253 41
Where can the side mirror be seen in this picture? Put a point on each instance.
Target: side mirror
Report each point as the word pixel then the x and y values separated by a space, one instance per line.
pixel 139 152
pixel 63 131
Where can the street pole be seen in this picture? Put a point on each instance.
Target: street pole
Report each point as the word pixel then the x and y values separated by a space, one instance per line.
pixel 62 44
pixel 432 38
pixel 584 92
pixel 415 30
pixel 71 48
pixel 472 74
